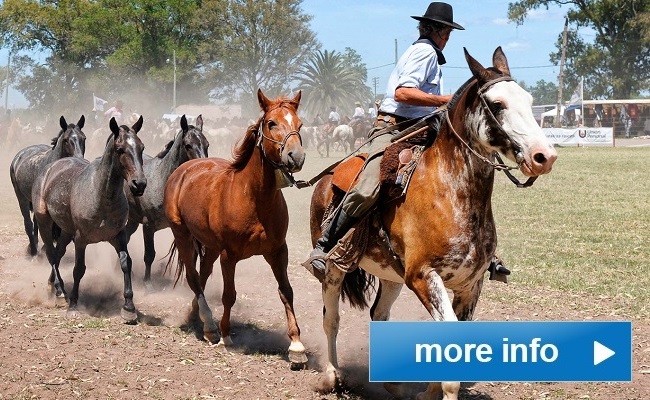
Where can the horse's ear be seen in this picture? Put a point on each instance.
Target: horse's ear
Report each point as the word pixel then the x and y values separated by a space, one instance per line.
pixel 477 69
pixel 184 126
pixel 114 127
pixel 138 125
pixel 199 122
pixel 297 99
pixel 263 100
pixel 500 61
pixel 62 123
pixel 81 122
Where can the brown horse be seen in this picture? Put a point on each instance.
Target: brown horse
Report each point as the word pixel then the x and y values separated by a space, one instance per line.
pixel 441 235
pixel 234 210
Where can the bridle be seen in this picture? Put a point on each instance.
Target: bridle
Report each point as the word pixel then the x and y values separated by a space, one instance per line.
pixel 500 165
pixel 261 137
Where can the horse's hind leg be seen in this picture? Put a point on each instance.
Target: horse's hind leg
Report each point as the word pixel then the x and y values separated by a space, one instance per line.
pixel 148 232
pixel 331 294
pixel 30 226
pixel 387 293
pixel 120 244
pixel 279 262
pixel 55 282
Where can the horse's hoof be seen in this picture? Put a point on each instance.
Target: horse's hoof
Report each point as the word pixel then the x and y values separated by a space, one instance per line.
pixel 148 287
pixel 214 339
pixel 297 356
pixel 328 382
pixel 60 301
pixel 72 313
pixel 130 317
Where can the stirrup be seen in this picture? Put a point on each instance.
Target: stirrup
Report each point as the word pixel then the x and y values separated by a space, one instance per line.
pixel 320 275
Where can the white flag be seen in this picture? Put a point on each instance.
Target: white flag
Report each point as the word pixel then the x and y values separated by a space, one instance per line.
pixel 576 97
pixel 98 104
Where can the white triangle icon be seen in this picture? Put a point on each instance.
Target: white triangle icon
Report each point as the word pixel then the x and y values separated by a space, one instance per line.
pixel 601 353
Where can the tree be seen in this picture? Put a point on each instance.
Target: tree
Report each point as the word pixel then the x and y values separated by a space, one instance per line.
pixel 617 63
pixel 543 92
pixel 329 79
pixel 266 43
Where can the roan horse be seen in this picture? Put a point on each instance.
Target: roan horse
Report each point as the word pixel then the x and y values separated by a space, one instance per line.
pixel 147 209
pixel 442 232
pixel 85 202
pixel 32 161
pixel 234 210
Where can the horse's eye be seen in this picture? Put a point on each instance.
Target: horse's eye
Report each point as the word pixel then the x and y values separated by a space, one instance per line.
pixel 496 107
pixel 272 124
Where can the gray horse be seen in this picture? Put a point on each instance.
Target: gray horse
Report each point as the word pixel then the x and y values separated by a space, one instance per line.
pixel 32 161
pixel 85 202
pixel 189 143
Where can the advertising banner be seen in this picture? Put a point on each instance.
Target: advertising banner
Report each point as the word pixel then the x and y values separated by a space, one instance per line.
pixel 582 136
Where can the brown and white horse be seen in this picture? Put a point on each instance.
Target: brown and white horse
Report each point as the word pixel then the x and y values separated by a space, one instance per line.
pixel 442 231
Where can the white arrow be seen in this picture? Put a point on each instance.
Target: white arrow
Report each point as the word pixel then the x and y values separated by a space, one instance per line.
pixel 601 353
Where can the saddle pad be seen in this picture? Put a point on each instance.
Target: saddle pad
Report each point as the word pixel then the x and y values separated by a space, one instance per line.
pixel 397 167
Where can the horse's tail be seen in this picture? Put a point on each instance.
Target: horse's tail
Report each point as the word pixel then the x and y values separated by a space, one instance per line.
pixel 180 265
pixel 171 255
pixel 358 285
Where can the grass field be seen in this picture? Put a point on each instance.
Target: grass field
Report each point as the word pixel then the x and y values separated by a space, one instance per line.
pixel 583 228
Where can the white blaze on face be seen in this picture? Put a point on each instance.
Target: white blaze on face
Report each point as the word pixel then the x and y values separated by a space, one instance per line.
pixel 289 118
pixel 518 122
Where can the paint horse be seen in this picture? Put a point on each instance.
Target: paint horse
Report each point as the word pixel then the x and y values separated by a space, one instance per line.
pixel 233 210
pixel 441 233
pixel 147 209
pixel 31 162
pixel 81 201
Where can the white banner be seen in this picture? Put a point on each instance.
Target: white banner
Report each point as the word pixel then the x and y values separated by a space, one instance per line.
pixel 580 135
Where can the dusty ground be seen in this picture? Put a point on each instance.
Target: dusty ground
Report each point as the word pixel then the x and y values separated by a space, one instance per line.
pixel 46 355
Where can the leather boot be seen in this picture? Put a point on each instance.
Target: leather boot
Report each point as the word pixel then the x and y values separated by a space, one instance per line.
pixel 339 225
pixel 498 270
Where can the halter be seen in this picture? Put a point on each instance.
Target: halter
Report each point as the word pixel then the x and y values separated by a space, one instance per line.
pixel 500 166
pixel 276 165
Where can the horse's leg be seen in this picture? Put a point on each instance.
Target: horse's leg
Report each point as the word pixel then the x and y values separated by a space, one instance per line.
pixel 77 273
pixel 331 288
pixel 279 262
pixel 55 282
pixel 229 295
pixel 210 331
pixel 465 301
pixel 24 205
pixel 120 244
pixel 429 287
pixel 148 232
pixel 387 293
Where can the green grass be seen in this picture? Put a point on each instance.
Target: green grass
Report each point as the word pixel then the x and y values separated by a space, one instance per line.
pixel 584 228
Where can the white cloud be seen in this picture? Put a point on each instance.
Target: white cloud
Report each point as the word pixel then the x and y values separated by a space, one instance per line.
pixel 516 46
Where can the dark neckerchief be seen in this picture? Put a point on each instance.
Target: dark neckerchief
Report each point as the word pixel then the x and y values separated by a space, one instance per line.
pixel 441 57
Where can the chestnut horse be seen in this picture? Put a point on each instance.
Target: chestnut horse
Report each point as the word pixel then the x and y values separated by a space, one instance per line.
pixel 84 201
pixel 234 210
pixel 441 233
pixel 31 162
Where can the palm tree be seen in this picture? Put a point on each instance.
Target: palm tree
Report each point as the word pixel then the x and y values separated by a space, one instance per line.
pixel 328 79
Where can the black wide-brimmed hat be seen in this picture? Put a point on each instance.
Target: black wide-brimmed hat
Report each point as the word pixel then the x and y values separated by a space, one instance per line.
pixel 439 12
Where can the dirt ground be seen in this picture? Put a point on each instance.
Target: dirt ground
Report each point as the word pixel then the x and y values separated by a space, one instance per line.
pixel 47 355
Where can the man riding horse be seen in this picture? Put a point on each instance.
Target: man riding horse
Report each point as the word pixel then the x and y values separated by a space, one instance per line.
pixel 413 91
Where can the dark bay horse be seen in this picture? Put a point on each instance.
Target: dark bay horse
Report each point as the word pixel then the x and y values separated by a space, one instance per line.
pixel 441 233
pixel 81 201
pixel 234 210
pixel 32 161
pixel 147 209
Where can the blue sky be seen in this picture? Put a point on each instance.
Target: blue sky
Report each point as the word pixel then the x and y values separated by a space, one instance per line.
pixel 371 28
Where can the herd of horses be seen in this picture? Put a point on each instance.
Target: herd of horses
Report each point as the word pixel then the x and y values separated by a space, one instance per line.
pixel 441 235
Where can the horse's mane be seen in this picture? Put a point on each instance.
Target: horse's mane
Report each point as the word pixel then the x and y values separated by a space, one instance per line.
pixel 165 149
pixel 245 146
pixel 56 139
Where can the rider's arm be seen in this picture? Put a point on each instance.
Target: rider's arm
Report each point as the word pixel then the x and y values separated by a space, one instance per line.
pixel 416 97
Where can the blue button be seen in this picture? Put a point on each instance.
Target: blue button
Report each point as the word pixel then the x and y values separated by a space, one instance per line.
pixel 501 351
